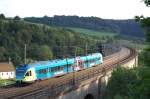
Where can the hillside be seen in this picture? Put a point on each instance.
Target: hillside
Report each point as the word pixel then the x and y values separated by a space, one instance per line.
pixel 129 28
pixel 122 27
pixel 42 42
pixel 93 33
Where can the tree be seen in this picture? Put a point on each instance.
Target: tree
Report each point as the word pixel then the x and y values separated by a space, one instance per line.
pixel 40 52
pixel 147 2
pixel 142 88
pixel 43 42
pixel 127 84
pixel 145 23
pixel 2 16
pixel 121 83
pixel 17 18
pixel 2 54
pixel 45 53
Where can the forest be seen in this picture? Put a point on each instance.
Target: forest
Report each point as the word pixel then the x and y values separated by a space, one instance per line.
pixel 42 42
pixel 128 27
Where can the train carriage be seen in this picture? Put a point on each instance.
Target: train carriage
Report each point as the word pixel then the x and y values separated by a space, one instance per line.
pixel 47 69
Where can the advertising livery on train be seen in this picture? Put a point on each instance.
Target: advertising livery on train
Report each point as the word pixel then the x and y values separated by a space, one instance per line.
pixel 47 69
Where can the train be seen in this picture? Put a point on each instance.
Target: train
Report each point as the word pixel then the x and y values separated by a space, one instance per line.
pixel 41 70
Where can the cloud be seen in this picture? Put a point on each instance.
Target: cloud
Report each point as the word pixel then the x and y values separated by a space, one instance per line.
pixel 120 9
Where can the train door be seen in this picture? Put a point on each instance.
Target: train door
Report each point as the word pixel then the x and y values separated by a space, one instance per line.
pixel 78 64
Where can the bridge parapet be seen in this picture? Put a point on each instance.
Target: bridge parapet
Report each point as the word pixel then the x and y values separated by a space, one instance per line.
pixel 95 85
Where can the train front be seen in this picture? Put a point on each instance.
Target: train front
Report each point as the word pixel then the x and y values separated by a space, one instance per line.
pixel 25 74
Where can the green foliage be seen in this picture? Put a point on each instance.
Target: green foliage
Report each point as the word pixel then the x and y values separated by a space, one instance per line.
pixel 145 22
pixel 121 83
pixel 122 27
pixel 2 16
pixel 43 52
pixel 134 83
pixel 4 82
pixel 2 54
pixel 17 18
pixel 93 32
pixel 144 58
pixel 129 84
pixel 147 2
pixel 43 42
pixel 142 89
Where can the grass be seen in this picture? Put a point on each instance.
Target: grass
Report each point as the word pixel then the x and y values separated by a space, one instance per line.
pixel 132 43
pixel 92 32
pixel 6 82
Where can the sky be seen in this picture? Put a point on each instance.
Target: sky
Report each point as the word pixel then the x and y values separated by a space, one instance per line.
pixel 106 9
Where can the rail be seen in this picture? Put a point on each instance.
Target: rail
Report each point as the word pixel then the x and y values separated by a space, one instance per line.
pixel 61 85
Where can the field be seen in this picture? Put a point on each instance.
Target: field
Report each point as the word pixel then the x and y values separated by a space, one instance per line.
pixel 92 32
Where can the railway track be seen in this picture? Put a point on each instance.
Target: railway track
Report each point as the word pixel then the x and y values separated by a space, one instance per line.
pixel 59 85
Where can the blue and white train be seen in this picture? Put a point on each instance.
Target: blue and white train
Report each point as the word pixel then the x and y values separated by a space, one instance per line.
pixel 47 69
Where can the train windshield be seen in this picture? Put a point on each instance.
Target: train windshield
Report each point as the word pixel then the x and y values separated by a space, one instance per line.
pixel 28 73
pixel 20 72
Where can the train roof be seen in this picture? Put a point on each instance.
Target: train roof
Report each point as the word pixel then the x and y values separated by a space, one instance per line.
pixel 58 62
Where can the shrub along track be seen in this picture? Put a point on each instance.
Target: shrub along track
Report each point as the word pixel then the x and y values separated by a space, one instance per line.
pixel 54 86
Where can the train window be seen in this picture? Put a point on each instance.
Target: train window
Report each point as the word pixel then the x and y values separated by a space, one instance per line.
pixel 55 68
pixel 61 68
pixel 52 69
pixel 27 74
pixel 42 71
pixel 69 65
pixel 49 69
pixel 97 59
pixel 86 61
pixel 91 61
pixel 58 68
pixel 30 73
